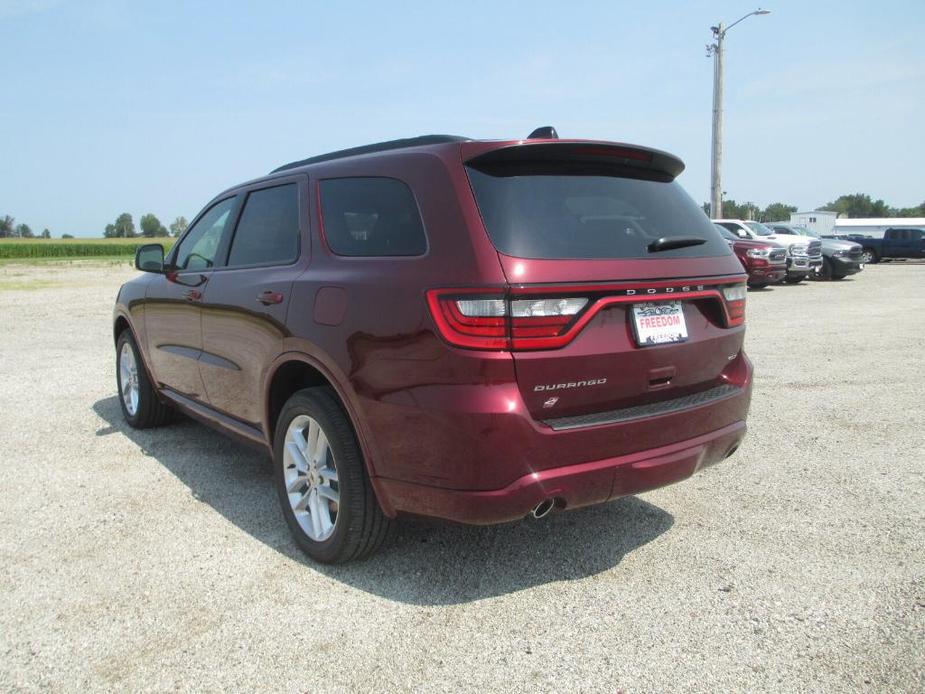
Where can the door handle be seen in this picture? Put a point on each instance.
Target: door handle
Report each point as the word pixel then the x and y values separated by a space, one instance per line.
pixel 269 297
pixel 192 295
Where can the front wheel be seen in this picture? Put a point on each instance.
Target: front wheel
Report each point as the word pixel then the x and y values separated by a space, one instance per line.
pixel 758 285
pixel 870 256
pixel 140 405
pixel 321 478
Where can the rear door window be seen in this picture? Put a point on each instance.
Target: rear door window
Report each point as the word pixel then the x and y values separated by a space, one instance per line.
pixel 564 213
pixel 371 216
pixel 268 231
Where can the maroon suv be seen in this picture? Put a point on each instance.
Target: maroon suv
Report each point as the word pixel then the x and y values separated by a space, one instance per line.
pixel 471 330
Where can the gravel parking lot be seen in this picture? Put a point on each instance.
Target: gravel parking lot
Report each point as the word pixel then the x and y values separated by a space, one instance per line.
pixel 159 560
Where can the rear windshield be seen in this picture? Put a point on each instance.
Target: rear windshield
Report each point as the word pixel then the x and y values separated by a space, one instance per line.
pixel 545 214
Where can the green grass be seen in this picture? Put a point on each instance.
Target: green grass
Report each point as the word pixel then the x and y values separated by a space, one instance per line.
pixel 71 260
pixel 68 249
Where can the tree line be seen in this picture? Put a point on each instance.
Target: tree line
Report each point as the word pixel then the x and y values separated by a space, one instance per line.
pixel 123 227
pixel 9 229
pixel 851 206
pixel 856 205
pixel 151 227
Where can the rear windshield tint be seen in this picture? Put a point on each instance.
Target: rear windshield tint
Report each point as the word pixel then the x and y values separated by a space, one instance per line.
pixel 547 214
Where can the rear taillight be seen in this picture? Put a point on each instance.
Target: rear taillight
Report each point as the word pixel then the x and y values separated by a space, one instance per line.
pixel 487 319
pixel 469 320
pixel 735 303
pixel 496 322
pixel 538 318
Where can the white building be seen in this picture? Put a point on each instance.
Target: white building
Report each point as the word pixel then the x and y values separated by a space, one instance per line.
pixel 875 226
pixel 820 221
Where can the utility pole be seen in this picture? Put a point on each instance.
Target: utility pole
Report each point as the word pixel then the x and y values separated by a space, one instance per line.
pixel 716 159
pixel 716 50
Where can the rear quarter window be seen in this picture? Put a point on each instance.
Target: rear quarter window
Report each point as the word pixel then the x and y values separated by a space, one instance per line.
pixel 371 216
pixel 575 215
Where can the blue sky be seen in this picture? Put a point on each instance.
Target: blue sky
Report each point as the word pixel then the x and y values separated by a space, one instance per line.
pixel 113 106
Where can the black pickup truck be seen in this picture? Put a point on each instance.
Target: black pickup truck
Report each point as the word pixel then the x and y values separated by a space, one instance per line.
pixel 896 243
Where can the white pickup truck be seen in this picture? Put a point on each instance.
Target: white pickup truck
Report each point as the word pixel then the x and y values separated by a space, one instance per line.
pixel 804 254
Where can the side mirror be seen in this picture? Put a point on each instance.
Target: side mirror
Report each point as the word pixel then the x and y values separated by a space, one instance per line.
pixel 150 258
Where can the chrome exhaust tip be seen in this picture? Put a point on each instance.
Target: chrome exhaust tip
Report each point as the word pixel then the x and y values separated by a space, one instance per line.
pixel 544 508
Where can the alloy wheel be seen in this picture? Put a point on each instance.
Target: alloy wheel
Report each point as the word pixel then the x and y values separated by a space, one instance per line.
pixel 128 379
pixel 310 476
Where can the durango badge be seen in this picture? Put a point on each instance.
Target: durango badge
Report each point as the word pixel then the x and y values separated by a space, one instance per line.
pixel 574 384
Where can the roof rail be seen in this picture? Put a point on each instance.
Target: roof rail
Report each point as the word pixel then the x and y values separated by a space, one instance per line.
pixel 377 147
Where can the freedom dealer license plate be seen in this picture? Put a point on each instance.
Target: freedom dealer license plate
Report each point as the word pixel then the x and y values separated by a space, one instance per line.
pixel 659 323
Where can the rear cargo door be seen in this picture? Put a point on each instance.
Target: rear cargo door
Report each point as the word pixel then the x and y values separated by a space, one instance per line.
pixel 617 278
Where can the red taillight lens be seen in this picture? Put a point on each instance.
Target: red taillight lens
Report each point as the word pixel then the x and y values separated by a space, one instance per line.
pixel 483 319
pixel 537 323
pixel 474 319
pixel 470 319
pixel 734 295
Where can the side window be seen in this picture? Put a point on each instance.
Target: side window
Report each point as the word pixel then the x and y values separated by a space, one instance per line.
pixel 268 231
pixel 371 217
pixel 735 229
pixel 198 248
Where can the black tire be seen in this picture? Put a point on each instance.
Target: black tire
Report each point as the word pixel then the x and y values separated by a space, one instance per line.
pixel 795 280
pixel 826 272
pixel 874 258
pixel 360 526
pixel 150 411
pixel 758 285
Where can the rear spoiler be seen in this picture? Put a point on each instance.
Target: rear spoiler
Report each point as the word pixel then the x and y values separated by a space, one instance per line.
pixel 603 154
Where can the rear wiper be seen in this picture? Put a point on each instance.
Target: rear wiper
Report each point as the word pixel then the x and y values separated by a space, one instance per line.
pixel 668 243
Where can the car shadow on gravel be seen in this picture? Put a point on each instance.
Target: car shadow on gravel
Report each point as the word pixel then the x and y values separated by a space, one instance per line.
pixel 427 562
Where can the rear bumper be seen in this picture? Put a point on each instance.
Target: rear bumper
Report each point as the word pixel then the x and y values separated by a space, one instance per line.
pixel 572 486
pixel 475 453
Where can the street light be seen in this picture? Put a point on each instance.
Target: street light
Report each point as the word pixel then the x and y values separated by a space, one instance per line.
pixel 716 50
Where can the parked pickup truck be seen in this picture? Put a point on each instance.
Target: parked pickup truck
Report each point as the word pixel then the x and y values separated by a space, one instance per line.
pixel 840 258
pixel 896 243
pixel 764 261
pixel 803 256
